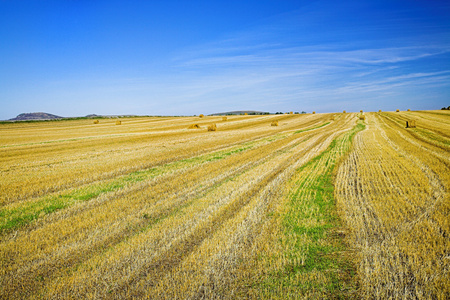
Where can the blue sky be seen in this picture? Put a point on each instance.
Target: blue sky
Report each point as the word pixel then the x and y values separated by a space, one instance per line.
pixel 74 58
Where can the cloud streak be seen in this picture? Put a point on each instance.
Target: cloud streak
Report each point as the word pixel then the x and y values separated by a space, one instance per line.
pixel 312 71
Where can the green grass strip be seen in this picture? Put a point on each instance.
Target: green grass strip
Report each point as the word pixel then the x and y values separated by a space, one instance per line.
pixel 427 134
pixel 300 131
pixel 313 265
pixel 16 216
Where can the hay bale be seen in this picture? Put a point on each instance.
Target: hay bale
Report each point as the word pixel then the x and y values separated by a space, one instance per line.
pixel 201 116
pixel 314 112
pixel 291 113
pixel 379 110
pixel 411 124
pixel 194 126
pixel 274 123
pixel 245 114
pixel 118 122
pixel 361 111
pixel 398 110
pixel 362 117
pixel 332 118
pixel 96 121
pixel 224 118
pixel 344 112
pixel 409 109
pixel 212 127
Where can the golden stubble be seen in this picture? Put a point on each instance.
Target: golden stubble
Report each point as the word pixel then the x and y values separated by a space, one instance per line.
pixel 392 192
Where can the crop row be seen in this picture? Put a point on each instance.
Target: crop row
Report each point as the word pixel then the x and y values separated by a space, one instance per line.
pixel 133 233
pixel 392 191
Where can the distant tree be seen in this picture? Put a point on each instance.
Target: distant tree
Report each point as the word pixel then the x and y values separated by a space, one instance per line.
pixel 446 108
pixel 296 113
pixel 303 112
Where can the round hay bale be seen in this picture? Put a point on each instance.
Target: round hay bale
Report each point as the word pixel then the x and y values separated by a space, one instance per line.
pixel 411 124
pixel 212 127
pixel 362 117
pixel 409 109
pixel 398 110
pixel 274 123
pixel 344 112
pixel 224 118
pixel 96 121
pixel 194 126
pixel 314 112
pixel 118 122
pixel 379 110
pixel 201 116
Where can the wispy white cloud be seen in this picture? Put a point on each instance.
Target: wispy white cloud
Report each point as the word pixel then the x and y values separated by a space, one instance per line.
pixel 392 55
pixel 275 78
pixel 301 75
pixel 321 54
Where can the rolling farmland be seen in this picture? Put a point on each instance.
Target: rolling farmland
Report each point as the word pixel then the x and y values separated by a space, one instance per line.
pixel 317 206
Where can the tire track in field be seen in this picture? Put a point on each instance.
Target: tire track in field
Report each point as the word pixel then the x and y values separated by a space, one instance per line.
pixel 285 276
pixel 437 140
pixel 429 146
pixel 42 271
pixel 178 172
pixel 400 188
pixel 165 172
pixel 439 190
pixel 15 213
pixel 218 276
pixel 200 147
pixel 198 234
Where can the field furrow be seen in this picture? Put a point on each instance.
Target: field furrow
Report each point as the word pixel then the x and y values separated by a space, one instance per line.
pixel 86 161
pixel 175 207
pixel 221 205
pixel 432 133
pixel 392 190
pixel 298 254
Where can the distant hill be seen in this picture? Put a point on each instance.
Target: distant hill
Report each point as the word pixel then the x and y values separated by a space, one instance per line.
pixel 240 112
pixel 41 116
pixel 35 116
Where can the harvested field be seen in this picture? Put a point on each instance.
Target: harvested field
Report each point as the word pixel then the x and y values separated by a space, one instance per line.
pixel 392 191
pixel 152 209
